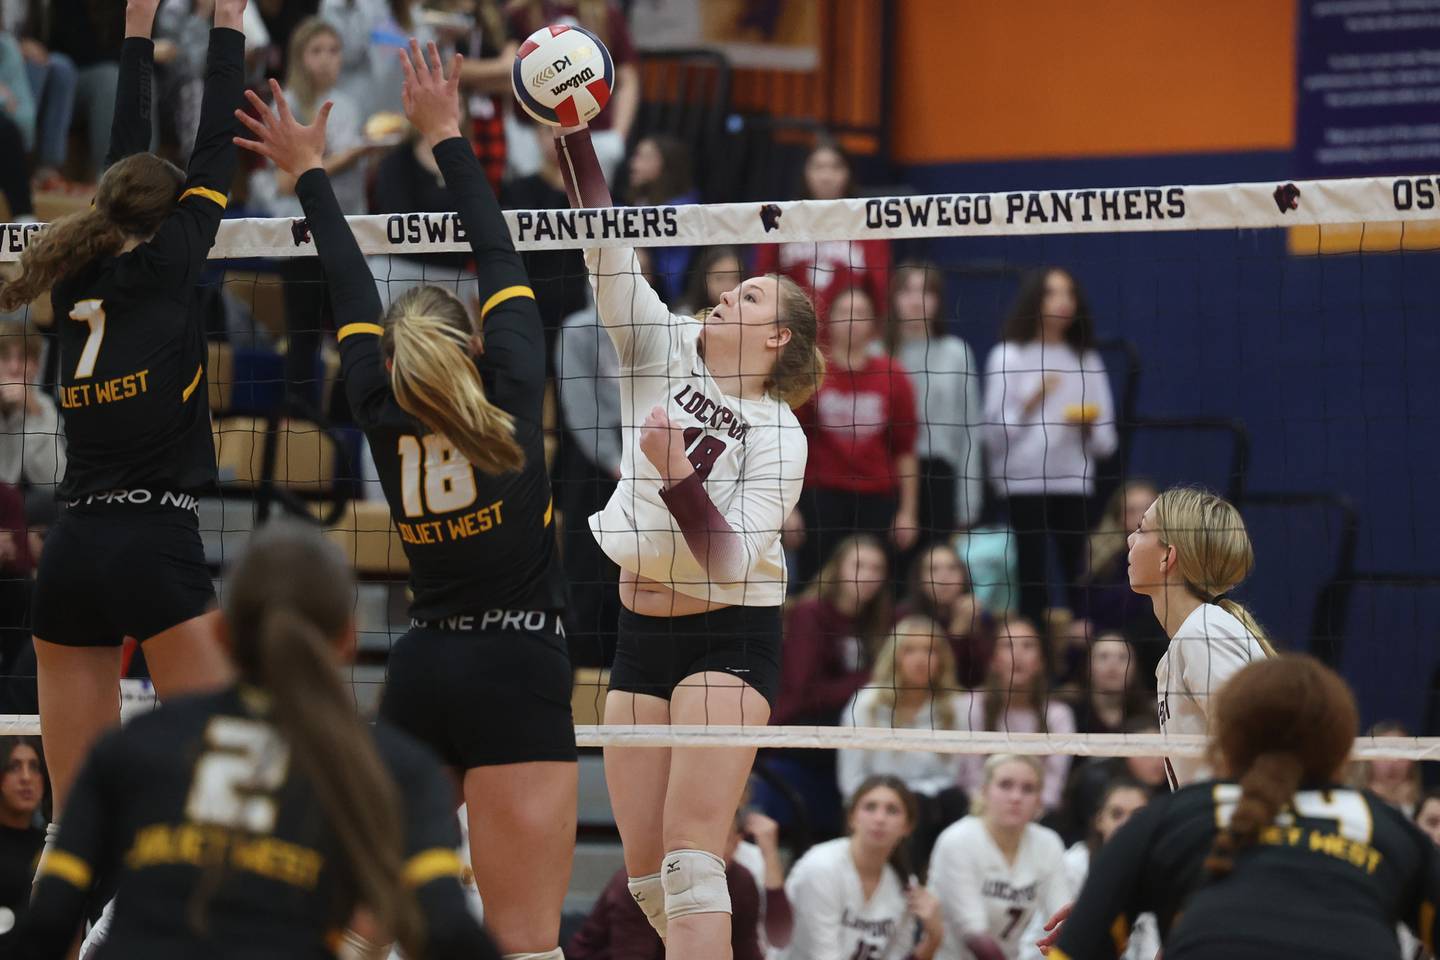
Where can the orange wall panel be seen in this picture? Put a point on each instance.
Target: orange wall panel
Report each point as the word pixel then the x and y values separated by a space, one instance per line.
pixel 1011 79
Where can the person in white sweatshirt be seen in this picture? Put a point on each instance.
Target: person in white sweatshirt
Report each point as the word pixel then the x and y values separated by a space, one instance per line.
pixel 1049 420
pixel 996 870
pixel 855 898
pixel 32 441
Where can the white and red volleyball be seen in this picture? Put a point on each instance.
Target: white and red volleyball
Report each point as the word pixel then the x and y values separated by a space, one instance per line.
pixel 563 75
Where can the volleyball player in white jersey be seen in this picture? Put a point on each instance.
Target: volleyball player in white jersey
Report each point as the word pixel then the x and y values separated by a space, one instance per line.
pixel 997 869
pixel 712 463
pixel 854 898
pixel 1190 549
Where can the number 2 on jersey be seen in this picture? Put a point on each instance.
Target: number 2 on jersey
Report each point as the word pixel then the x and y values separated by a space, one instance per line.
pixel 440 472
pixel 91 312
pixel 235 779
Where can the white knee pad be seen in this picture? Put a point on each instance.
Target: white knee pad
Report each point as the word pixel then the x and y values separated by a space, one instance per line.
pixel 694 883
pixel 649 895
pixel 556 954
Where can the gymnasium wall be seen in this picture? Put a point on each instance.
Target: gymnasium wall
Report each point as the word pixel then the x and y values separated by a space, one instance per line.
pixel 1329 361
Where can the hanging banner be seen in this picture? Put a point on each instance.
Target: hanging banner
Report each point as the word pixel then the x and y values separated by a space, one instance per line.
pixel 1369 88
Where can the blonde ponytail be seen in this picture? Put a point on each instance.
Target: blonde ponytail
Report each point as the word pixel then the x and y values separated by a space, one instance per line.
pixel 434 379
pixel 1248 621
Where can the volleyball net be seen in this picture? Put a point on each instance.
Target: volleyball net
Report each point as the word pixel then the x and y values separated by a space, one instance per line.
pixel 1273 342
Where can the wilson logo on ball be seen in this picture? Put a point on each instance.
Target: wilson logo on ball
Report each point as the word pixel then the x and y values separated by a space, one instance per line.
pixel 562 75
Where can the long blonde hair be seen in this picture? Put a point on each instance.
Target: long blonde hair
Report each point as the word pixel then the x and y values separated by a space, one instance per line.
pixel 433 375
pixel 299 89
pixel 882 676
pixel 1110 538
pixel 1212 549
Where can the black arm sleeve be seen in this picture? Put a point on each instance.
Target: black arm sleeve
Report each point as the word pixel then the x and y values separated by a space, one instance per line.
pixel 134 99
pixel 68 871
pixel 352 290
pixel 174 257
pixel 1113 890
pixel 509 315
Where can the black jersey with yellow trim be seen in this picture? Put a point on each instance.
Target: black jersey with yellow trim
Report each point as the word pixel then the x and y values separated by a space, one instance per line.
pixel 132 349
pixel 1330 878
pixel 475 542
pixel 217 847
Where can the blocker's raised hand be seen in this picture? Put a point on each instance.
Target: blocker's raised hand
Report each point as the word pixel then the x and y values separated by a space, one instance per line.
pixel 280 138
pixel 431 99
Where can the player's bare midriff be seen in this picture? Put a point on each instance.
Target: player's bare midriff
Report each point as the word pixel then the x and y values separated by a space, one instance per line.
pixel 650 598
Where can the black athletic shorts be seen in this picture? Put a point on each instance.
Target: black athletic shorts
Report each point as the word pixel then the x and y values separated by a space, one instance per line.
pixel 653 654
pixel 118 564
pixel 483 690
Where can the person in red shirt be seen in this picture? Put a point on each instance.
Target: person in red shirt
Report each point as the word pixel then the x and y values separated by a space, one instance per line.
pixel 826 269
pixel 862 475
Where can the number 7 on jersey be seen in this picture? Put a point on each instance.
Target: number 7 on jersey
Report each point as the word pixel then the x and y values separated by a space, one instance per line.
pixel 91 312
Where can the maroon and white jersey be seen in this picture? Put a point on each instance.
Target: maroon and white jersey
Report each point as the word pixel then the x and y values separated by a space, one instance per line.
pixel 749 454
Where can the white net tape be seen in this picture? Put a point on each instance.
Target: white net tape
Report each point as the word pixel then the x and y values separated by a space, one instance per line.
pixel 915 741
pixel 1014 213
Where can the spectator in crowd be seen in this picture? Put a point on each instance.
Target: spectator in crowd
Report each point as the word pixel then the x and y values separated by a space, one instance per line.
pixel 314 69
pixel 52 78
pixel 911 688
pixel 609 131
pixel 280 18
pixel 861 476
pixel 714 271
pixel 661 173
pixel 90 33
pixel 831 266
pixel 1049 420
pixel 22 791
pixel 1016 699
pixel 558 277
pixel 1112 695
pixel 997 870
pixel 1397 782
pixel 32 441
pixel 485 77
pixel 17 130
pixel 857 895
pixel 372 33
pixel 182 33
pixel 616 928
pixel 1123 797
pixel 1106 599
pixel 1091 778
pixel 408 180
pixel 939 588
pixel 831 634
pixel 946 380
pixel 1427 813
pixel 759 852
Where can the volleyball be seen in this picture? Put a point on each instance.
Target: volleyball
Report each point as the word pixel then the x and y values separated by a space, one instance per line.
pixel 563 75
